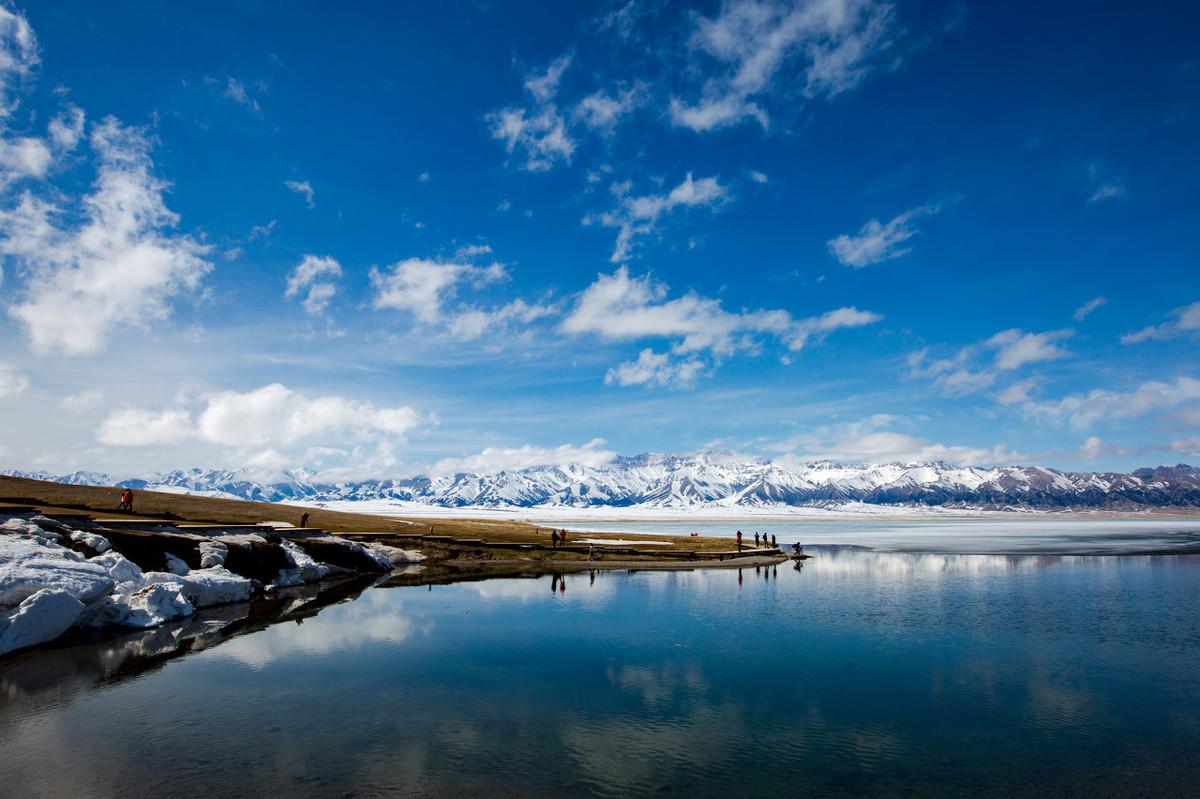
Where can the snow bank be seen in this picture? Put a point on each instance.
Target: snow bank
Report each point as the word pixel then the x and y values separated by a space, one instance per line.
pixel 25 527
pixel 204 587
pixel 304 569
pixel 41 617
pixel 212 553
pixel 28 565
pixel 176 565
pixel 96 543
pixel 396 556
pixel 150 606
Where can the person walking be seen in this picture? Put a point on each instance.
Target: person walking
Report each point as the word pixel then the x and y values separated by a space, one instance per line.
pixel 773 544
pixel 554 539
pixel 756 539
pixel 126 500
pixel 562 537
pixel 304 519
pixel 739 540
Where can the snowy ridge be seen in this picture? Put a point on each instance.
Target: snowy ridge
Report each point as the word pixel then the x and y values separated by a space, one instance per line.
pixel 708 481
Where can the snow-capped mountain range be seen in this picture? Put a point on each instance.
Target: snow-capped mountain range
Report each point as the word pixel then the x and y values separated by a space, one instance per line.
pixel 708 481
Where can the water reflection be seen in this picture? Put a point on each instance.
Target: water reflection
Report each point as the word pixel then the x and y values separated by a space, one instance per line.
pixel 858 673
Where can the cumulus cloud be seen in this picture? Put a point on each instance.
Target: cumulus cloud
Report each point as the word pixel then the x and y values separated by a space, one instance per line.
pixel 303 187
pixel 139 427
pixel 876 241
pixel 537 130
pixel 637 216
pixel 274 427
pixel 421 286
pixel 656 369
pixel 1085 310
pixel 1180 322
pixel 498 459
pixel 969 371
pixel 1018 392
pixel 1015 348
pixel 835 42
pixel 12 380
pixel 621 307
pixel 1083 410
pixel 119 265
pixel 315 278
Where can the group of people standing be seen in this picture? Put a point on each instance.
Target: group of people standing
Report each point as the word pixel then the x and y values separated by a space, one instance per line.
pixel 766 541
pixel 558 538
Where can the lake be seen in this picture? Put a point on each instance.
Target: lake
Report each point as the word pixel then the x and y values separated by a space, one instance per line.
pixel 865 673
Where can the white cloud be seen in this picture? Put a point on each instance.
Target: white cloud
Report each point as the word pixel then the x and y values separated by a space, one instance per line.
pixel 82 401
pixel 273 424
pixel 637 216
pixel 1092 448
pixel 305 188
pixel 602 111
pixel 955 376
pixel 18 56
pixel 1085 310
pixel 121 266
pixel 497 459
pixel 66 129
pixel 423 177
pixel 838 42
pixel 538 130
pixel 868 441
pixel 236 90
pixel 619 307
pixel 1103 187
pixel 656 369
pixel 318 275
pixel 468 323
pixel 12 380
pixel 421 287
pixel 138 427
pixel 1084 410
pixel 1017 348
pixel 876 242
pixel 1018 392
pixel 758 177
pixel 1181 321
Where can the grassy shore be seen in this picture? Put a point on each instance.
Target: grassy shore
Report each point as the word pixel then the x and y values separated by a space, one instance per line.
pixel 101 502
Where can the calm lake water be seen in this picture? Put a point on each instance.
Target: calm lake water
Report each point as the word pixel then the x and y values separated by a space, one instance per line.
pixel 866 673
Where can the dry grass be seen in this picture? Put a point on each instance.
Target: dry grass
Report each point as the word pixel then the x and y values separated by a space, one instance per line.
pixel 102 502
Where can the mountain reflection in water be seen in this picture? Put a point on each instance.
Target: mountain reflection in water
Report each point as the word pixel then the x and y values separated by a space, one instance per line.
pixel 863 672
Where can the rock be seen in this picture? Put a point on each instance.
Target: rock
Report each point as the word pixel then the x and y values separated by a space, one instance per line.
pixel 28 565
pixel 41 617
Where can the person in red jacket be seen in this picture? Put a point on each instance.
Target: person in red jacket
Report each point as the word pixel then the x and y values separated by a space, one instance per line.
pixel 739 538
pixel 126 500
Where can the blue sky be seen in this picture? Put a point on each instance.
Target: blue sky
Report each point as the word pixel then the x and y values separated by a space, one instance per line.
pixel 488 235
